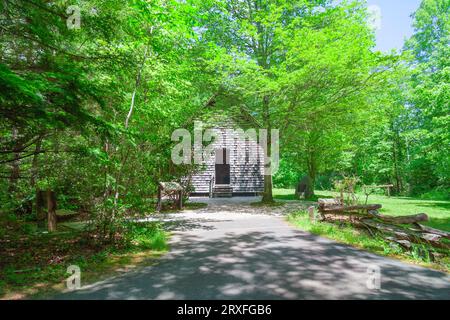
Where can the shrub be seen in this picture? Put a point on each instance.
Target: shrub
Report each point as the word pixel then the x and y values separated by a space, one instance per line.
pixel 145 235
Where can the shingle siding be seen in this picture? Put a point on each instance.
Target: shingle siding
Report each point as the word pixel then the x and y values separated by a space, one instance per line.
pixel 246 163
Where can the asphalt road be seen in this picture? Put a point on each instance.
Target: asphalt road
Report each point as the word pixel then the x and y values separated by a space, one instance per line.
pixel 231 250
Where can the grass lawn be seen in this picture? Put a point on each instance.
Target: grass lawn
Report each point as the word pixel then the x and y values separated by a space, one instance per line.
pixel 438 211
pixel 360 239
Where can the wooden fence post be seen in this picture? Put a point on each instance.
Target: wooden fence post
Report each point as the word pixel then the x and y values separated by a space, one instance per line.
pixel 311 214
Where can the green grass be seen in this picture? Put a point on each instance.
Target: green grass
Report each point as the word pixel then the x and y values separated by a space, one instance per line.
pixel 343 233
pixel 360 239
pixel 146 236
pixel 32 274
pixel 438 211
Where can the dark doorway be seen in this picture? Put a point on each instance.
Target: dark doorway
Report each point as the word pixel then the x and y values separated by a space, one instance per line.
pixel 222 166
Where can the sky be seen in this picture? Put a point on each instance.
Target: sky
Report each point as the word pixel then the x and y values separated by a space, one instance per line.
pixel 395 23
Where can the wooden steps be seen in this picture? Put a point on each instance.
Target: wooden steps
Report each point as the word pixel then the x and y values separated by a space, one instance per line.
pixel 222 191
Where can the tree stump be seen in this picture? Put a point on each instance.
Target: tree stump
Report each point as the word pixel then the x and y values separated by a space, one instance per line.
pixel 305 188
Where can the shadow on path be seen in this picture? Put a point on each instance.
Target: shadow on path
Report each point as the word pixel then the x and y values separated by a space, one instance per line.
pixel 228 259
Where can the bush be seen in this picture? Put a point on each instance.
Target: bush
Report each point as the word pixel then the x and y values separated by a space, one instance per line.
pixel 107 221
pixel 145 235
pixel 28 229
pixel 286 176
pixel 437 194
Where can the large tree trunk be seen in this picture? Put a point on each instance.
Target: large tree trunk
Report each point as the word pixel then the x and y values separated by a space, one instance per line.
pixel 309 191
pixel 267 195
pixel 51 211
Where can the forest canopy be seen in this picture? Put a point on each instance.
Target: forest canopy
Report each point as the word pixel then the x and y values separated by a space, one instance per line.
pixel 88 110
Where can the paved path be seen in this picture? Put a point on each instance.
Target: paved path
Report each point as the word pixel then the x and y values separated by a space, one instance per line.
pixel 231 250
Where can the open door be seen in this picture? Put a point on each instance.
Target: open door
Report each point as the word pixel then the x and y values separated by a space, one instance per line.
pixel 222 166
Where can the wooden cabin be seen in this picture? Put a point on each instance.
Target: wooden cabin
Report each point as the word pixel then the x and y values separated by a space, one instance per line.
pixel 235 166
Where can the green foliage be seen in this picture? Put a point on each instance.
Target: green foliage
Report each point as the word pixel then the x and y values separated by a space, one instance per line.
pixel 89 112
pixel 287 175
pixel 307 68
pixel 66 100
pixel 394 130
pixel 46 266
pixel 145 235
pixel 437 194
